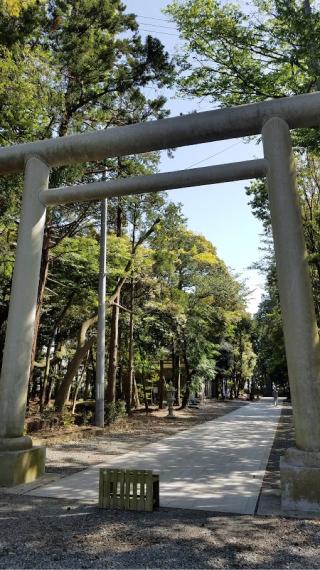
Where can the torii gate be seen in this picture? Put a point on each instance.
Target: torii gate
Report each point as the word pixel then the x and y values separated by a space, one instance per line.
pixel 300 467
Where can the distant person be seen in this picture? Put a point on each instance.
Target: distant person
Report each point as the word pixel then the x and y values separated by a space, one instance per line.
pixel 275 394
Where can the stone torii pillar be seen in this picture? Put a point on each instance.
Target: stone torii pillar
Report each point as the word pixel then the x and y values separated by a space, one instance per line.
pixel 300 466
pixel 20 462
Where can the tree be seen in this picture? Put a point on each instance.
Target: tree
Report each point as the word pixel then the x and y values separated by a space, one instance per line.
pixel 233 57
pixel 244 358
pixel 77 66
pixel 198 296
pixel 268 339
pixel 15 7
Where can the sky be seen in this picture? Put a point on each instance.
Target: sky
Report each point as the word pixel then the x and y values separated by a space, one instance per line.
pixel 220 212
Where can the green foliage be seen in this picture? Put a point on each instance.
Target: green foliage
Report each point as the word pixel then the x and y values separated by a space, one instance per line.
pixel 69 67
pixel 76 66
pixel 206 370
pixel 232 57
pixel 52 419
pixel 114 411
pixel 268 337
pixel 15 7
pixel 85 418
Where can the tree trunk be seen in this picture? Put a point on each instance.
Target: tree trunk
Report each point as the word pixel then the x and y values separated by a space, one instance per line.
pixel 176 376
pixel 131 323
pixel 47 369
pixel 44 270
pixel 82 349
pixel 113 353
pixel 131 348
pixel 90 378
pixel 78 386
pixel 143 379
pixel 114 329
pixel 135 393
pixel 307 6
pixel 72 370
pixel 161 385
pixel 186 394
pixel 49 348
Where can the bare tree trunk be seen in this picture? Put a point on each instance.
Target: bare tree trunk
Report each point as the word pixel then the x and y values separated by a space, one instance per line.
pixel 131 323
pixel 176 375
pixel 82 349
pixel 114 329
pixel 78 385
pixel 49 348
pixel 131 347
pixel 161 385
pixel 44 269
pixel 307 6
pixel 178 380
pixel 144 391
pixel 121 388
pixel 173 363
pixel 49 391
pixel 135 393
pixel 90 378
pixel 186 394
pixel 113 353
pixel 47 369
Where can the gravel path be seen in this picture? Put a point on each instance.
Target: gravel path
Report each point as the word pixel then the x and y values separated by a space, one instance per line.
pixel 37 533
pixel 51 533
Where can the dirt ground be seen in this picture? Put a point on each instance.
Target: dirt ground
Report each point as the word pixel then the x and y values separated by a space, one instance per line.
pixel 156 422
pixel 44 533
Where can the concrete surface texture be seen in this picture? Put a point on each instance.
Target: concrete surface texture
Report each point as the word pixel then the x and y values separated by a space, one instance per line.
pixel 216 466
pixel 21 466
pixel 296 299
pixel 299 111
pixel 155 182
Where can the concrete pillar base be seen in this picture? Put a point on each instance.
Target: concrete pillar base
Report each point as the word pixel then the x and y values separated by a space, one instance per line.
pixel 15 443
pixel 21 466
pixel 300 481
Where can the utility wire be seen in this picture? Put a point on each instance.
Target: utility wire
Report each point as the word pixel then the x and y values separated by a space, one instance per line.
pixel 213 155
pixel 159 26
pixel 152 18
pixel 163 33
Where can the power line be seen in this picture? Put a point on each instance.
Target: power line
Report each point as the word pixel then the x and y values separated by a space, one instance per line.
pixel 213 155
pixel 152 18
pixel 159 26
pixel 163 33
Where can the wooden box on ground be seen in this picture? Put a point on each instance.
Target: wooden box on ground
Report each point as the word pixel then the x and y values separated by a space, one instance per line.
pixel 128 489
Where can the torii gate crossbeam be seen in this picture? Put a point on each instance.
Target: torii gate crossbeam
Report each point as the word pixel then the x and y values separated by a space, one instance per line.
pixel 300 468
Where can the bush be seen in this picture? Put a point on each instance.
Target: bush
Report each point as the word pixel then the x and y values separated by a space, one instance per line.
pixel 50 418
pixel 85 418
pixel 114 411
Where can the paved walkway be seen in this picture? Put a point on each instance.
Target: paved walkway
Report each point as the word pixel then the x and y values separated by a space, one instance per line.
pixel 216 466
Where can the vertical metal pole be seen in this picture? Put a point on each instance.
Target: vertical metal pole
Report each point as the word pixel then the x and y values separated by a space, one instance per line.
pixel 22 310
pixel 297 306
pixel 101 339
